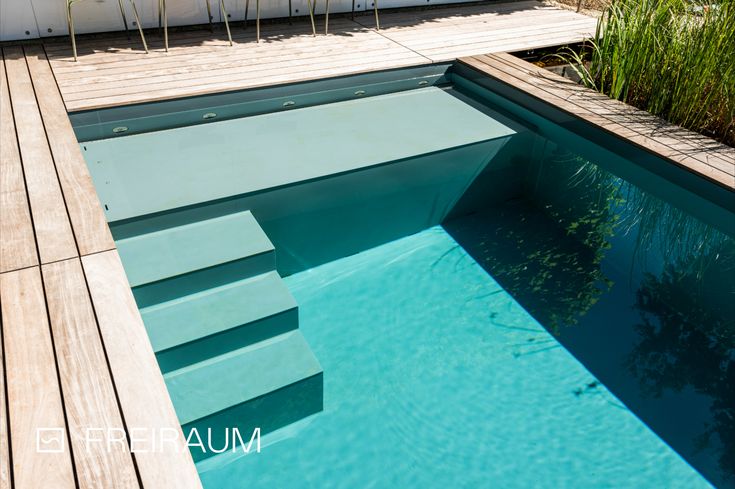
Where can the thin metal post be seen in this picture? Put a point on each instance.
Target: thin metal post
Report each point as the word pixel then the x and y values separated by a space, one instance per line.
pixel 140 28
pixel 247 3
pixel 353 9
pixel 377 19
pixel 311 14
pixel 165 26
pixel 227 24
pixel 70 24
pixel 290 21
pixel 326 19
pixel 209 16
pixel 125 21
pixel 257 20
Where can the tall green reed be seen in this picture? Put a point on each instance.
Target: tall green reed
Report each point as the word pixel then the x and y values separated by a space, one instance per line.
pixel 672 58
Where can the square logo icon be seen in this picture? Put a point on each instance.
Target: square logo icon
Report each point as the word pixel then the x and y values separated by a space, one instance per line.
pixel 50 440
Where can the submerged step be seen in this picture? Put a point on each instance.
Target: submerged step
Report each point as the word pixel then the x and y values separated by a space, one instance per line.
pixel 266 385
pixel 219 160
pixel 199 326
pixel 178 261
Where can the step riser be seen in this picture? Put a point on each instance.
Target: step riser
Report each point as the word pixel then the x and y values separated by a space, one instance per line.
pixel 226 341
pixel 190 283
pixel 268 412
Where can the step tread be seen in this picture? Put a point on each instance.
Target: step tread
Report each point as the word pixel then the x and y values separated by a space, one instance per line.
pixel 253 155
pixel 213 311
pixel 170 252
pixel 216 384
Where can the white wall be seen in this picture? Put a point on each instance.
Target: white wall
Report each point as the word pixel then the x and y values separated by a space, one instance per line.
pixel 27 19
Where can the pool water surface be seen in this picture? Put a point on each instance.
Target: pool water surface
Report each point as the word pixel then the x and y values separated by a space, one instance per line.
pixel 490 293
pixel 436 377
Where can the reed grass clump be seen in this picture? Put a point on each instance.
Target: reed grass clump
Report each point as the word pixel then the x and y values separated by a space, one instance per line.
pixel 672 58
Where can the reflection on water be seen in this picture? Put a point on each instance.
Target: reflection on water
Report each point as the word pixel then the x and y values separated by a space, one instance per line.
pixel 434 377
pixel 637 289
pixel 535 259
pixel 687 340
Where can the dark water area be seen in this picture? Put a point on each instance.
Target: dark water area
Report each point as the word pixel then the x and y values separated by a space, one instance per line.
pixel 641 292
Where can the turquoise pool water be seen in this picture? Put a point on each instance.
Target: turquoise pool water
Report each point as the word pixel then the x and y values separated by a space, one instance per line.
pixel 436 377
pixel 468 288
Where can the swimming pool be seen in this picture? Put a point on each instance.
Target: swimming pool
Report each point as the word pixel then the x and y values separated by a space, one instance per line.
pixel 476 293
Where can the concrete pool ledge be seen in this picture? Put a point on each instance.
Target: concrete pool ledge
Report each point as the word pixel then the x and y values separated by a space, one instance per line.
pixel 70 325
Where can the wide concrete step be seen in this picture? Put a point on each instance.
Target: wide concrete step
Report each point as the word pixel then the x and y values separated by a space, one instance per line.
pixel 169 172
pixel 183 260
pixel 266 385
pixel 199 326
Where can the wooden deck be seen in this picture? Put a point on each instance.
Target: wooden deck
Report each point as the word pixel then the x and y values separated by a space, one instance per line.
pixel 690 150
pixel 75 353
pixel 112 70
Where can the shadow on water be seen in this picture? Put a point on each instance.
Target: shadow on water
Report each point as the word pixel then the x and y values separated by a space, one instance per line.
pixel 638 290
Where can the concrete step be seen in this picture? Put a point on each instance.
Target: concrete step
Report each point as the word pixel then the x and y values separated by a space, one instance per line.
pixel 199 326
pixel 175 262
pixel 265 385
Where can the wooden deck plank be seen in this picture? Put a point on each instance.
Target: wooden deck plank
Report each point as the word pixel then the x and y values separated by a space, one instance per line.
pixel 275 34
pixel 503 27
pixel 486 66
pixel 109 44
pixel 428 32
pixel 462 35
pixel 489 66
pixel 185 44
pixel 561 94
pixel 89 395
pixel 345 37
pixel 505 69
pixel 242 73
pixel 140 386
pixel 18 248
pixel 156 69
pixel 201 88
pixel 675 138
pixel 50 220
pixel 34 395
pixel 596 112
pixel 5 477
pixel 115 71
pixel 87 217
pixel 194 61
pixel 687 142
pixel 519 44
pixel 451 15
pixel 56 372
